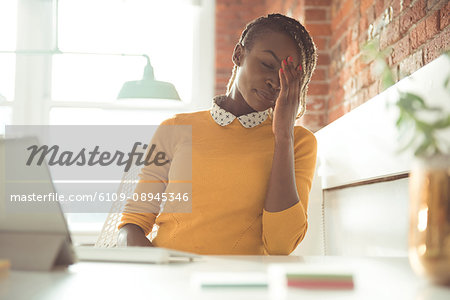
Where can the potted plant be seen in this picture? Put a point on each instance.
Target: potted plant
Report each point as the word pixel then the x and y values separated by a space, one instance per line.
pixel 419 126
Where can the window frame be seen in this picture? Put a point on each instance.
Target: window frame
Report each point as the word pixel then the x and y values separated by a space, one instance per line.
pixel 32 102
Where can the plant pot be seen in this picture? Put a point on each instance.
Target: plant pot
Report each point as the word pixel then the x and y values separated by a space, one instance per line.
pixel 429 231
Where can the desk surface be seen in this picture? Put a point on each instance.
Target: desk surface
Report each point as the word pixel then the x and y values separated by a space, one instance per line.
pixel 374 278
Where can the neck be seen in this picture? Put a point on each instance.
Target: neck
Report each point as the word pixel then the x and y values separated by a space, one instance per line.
pixel 235 103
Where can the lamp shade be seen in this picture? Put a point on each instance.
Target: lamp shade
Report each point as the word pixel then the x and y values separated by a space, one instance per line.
pixel 148 87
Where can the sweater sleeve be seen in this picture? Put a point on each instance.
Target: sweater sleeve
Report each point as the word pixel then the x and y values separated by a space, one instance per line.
pixel 152 179
pixel 284 230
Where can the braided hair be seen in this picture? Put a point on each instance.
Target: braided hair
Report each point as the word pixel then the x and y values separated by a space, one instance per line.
pixel 305 46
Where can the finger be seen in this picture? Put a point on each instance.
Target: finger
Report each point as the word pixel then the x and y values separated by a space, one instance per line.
pixel 291 67
pixel 286 75
pixel 288 70
pixel 295 91
pixel 296 98
pixel 284 88
pixel 298 78
pixel 293 82
pixel 301 75
pixel 292 79
pixel 299 72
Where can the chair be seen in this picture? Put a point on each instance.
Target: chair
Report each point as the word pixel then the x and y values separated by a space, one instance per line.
pixel 108 236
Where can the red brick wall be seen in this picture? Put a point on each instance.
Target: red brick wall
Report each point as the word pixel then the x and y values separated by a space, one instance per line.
pixel 417 30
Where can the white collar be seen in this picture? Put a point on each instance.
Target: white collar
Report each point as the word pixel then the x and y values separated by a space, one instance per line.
pixel 223 117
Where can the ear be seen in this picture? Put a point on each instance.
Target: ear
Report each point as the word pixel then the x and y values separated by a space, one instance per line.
pixel 238 54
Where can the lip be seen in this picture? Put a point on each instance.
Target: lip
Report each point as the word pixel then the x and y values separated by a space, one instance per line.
pixel 269 97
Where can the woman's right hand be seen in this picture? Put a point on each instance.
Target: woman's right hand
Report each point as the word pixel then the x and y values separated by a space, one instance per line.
pixel 132 235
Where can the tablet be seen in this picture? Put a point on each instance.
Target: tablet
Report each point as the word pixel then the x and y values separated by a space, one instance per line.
pixel 34 235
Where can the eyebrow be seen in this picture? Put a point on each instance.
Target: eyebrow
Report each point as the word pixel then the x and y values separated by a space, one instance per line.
pixel 273 54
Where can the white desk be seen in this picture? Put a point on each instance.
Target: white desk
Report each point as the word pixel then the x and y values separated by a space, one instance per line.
pixel 374 278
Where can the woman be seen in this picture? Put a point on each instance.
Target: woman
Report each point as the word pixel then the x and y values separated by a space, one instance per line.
pixel 251 167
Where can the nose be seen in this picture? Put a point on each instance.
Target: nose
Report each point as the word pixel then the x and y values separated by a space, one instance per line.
pixel 274 84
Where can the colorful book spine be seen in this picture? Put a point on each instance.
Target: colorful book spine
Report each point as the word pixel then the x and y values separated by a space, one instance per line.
pixel 320 281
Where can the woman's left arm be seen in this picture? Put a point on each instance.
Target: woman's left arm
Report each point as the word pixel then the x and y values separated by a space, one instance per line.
pixel 284 216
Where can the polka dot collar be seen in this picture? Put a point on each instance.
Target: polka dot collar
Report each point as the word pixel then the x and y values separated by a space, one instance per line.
pixel 223 117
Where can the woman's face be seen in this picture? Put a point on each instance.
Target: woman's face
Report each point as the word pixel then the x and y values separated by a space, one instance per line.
pixel 257 77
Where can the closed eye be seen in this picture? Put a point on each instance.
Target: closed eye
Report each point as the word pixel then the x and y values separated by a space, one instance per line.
pixel 267 66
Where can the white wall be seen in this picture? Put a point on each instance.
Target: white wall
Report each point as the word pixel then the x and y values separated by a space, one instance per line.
pixel 362 145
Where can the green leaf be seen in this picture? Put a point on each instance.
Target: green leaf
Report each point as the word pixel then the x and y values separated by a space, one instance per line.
pixel 387 79
pixel 416 132
pixel 422 148
pixel 443 123
pixel 415 99
pixel 410 102
pixel 400 119
pixel 369 51
pixel 447 83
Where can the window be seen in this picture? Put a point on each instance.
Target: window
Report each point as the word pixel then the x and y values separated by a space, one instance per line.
pixel 161 29
pixel 7 76
pixel 74 88
pixel 5 118
pixel 8 25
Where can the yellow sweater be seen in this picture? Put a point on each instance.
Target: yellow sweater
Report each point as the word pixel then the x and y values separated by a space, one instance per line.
pixel 230 172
